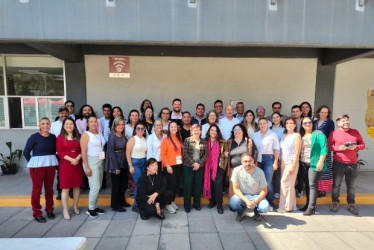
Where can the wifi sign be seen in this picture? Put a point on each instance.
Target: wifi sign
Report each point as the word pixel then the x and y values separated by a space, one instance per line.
pixel 119 67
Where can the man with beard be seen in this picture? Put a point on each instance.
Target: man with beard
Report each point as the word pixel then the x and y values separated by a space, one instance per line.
pixel 176 114
pixel 84 113
pixel 250 188
pixel 345 142
pixel 199 117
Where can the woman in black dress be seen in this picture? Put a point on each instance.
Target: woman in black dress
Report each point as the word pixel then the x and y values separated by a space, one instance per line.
pixel 152 195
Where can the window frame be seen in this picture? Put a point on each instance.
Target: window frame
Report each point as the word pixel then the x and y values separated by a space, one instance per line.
pixel 6 96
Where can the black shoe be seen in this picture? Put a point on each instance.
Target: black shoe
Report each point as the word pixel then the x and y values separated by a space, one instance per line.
pixel 51 216
pixel 198 208
pixel 143 217
pixel 239 217
pixel 309 211
pixel 91 213
pixel 135 209
pixel 99 211
pixel 58 196
pixel 257 217
pixel 321 194
pixel 304 208
pixel 212 204
pixel 160 217
pixel 41 219
pixel 187 210
pixel 220 209
pixel 232 210
pixel 120 210
pixel 71 194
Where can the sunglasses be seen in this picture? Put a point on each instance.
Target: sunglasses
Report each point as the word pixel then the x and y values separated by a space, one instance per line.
pixel 307 123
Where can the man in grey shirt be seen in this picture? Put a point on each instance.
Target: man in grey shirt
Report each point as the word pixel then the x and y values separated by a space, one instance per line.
pixel 250 188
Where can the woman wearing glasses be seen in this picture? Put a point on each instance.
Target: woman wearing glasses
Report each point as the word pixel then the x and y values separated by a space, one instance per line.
pixel 312 162
pixel 164 115
pixel 136 149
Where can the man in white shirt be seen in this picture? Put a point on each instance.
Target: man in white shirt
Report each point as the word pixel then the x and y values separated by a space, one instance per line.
pixel 227 123
pixel 56 126
pixel 105 119
pixel 250 189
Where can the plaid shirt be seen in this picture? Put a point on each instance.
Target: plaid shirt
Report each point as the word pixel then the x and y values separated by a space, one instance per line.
pixel 188 150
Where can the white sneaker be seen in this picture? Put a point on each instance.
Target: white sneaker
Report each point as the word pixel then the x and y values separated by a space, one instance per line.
pixel 300 195
pixel 174 205
pixel 170 209
pixel 277 195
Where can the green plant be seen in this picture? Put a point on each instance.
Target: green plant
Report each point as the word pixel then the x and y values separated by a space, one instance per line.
pixel 11 159
pixel 361 162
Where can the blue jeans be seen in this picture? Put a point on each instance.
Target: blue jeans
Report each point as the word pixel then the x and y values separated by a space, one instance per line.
pixel 239 206
pixel 139 166
pixel 267 166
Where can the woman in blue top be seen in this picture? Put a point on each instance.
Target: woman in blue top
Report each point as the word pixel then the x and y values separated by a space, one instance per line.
pixel 42 165
pixel 326 125
pixel 312 161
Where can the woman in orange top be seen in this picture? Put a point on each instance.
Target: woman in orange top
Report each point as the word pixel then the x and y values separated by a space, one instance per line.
pixel 171 158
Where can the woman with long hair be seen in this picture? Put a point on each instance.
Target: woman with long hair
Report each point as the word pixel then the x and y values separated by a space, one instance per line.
pixel 238 144
pixel 132 120
pixel 71 172
pixel 42 165
pixel 312 162
pixel 116 164
pixel 215 167
pixel 164 116
pixel 306 110
pixel 212 119
pixel 194 156
pixel 326 125
pixel 172 161
pixel 92 145
pixel 290 148
pixel 116 112
pixel 136 149
pixel 249 123
pixel 148 119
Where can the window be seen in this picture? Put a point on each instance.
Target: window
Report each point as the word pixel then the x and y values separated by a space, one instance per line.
pixel 34 88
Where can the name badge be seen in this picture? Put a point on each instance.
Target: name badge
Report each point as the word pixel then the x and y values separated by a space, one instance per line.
pixel 102 155
pixel 179 159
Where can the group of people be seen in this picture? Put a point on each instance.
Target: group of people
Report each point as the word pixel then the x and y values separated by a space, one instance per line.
pixel 257 157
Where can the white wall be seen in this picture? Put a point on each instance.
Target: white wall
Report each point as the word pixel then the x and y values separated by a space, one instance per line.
pixel 352 81
pixel 255 81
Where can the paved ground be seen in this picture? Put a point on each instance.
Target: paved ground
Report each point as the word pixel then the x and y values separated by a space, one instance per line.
pixel 203 229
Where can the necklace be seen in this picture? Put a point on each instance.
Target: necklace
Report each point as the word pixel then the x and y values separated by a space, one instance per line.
pixel 152 181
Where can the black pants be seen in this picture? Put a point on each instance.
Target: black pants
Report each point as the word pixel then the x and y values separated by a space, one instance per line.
pixel 172 179
pixel 301 181
pixel 148 210
pixel 349 171
pixel 303 176
pixel 310 179
pixel 118 191
pixel 216 187
pixel 277 178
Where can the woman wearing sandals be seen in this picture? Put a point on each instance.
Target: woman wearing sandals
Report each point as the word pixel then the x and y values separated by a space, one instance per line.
pixel 71 172
pixel 152 193
pixel 312 162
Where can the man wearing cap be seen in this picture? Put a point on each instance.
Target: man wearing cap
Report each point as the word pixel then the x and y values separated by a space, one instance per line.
pixel 345 143
pixel 56 126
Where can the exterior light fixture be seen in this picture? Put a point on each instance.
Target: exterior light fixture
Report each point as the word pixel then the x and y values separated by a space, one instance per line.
pixel 192 3
pixel 360 5
pixel 273 5
pixel 110 3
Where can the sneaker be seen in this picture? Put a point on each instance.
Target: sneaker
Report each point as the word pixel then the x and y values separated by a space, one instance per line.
pixel 135 209
pixel 352 209
pixel 99 211
pixel 239 217
pixel 335 207
pixel 174 205
pixel 171 209
pixel 257 217
pixel 91 213
pixel 300 195
pixel 277 195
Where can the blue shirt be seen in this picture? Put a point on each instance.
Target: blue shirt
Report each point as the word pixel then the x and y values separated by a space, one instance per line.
pixel 40 146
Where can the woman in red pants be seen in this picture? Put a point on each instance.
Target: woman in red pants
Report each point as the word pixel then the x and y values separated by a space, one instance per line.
pixel 42 165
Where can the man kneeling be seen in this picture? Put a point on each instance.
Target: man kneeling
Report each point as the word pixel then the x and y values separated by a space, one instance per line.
pixel 250 188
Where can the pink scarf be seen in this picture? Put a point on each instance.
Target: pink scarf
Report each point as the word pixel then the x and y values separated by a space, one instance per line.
pixel 211 165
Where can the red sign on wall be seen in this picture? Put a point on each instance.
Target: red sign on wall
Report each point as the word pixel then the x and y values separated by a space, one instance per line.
pixel 119 67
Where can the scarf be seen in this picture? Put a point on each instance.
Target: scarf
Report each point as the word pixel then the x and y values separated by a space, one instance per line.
pixel 211 165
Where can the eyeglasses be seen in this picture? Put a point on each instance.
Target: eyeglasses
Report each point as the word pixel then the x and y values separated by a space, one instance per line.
pixel 237 130
pixel 307 123
pixel 140 129
pixel 163 113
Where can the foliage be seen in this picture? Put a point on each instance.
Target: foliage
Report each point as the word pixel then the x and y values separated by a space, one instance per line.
pixel 11 159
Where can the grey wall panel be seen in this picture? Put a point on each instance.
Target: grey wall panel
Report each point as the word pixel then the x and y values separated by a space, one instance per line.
pixel 308 23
